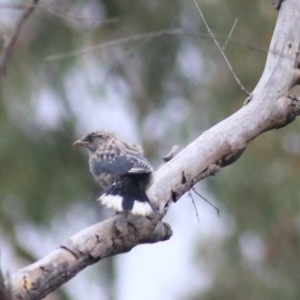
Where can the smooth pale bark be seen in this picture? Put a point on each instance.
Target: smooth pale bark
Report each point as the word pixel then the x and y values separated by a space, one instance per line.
pixel 268 107
pixel 118 234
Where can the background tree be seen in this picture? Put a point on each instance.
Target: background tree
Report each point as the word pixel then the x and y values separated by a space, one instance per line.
pixel 172 87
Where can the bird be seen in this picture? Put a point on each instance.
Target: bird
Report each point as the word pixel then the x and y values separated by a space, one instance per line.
pixel 121 169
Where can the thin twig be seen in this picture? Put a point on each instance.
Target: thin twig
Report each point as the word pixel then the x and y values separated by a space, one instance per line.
pixel 121 41
pixel 9 42
pixel 135 37
pixel 230 33
pixel 236 41
pixel 190 195
pixel 75 18
pixel 14 6
pixel 149 35
pixel 218 211
pixel 169 156
pixel 220 49
pixel 127 54
pixel 56 12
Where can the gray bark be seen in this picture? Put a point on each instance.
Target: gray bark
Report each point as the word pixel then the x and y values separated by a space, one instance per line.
pixel 268 107
pixel 119 234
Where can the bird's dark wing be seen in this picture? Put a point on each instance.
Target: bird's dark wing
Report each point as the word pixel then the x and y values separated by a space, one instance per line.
pixel 120 165
pixel 140 165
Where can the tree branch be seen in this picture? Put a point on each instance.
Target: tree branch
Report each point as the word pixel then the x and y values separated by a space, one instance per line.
pixel 9 42
pixel 57 13
pixel 119 234
pixel 102 46
pixel 149 36
pixel 220 49
pixel 268 107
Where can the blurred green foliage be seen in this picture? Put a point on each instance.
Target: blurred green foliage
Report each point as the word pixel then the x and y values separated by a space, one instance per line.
pixel 178 86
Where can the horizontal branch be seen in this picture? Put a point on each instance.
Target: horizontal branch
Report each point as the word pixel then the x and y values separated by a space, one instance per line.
pixel 56 13
pixel 149 36
pixel 124 40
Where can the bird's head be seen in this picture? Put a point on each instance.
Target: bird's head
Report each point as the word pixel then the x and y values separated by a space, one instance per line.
pixel 94 140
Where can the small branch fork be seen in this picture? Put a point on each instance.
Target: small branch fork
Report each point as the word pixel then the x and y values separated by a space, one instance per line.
pixel 186 185
pixel 194 204
pixel 216 208
pixel 220 49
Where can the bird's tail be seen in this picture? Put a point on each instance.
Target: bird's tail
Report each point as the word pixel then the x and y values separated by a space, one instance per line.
pixel 127 195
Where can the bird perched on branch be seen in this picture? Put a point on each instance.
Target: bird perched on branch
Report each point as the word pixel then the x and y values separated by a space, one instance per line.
pixel 121 169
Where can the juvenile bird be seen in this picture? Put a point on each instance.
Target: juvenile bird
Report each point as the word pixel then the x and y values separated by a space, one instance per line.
pixel 121 169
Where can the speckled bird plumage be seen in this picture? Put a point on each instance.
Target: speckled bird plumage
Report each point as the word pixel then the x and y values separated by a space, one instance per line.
pixel 121 169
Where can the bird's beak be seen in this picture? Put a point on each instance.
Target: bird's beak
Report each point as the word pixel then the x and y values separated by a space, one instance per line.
pixel 80 143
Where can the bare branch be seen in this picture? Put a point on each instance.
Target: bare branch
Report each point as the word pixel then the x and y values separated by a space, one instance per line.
pixel 194 204
pixel 57 13
pixel 127 54
pixel 135 37
pixel 220 49
pixel 230 33
pixel 116 235
pixel 76 18
pixel 150 35
pixel 169 156
pixel 212 205
pixel 236 41
pixel 269 108
pixel 9 43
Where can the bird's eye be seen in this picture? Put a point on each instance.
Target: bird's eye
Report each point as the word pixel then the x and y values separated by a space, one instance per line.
pixel 89 138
